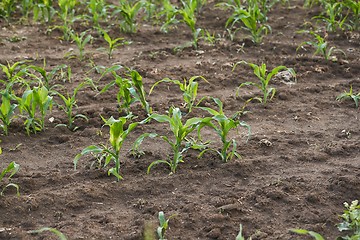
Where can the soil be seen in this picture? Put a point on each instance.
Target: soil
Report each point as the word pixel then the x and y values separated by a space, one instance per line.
pixel 300 164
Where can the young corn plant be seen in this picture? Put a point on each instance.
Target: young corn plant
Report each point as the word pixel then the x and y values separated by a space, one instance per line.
pixel 15 72
pixel 56 232
pixel 349 95
pixel 113 43
pixel 163 225
pixel 188 14
pixel 264 77
pixel 188 87
pixel 67 16
pixel 353 7
pixel 44 10
pixel 7 110
pixel 118 135
pixel 11 169
pixel 69 102
pixel 46 77
pixel 351 221
pixel 128 10
pixel 7 8
pixel 97 10
pixel 130 90
pixel 333 16
pixel 33 101
pixel 81 40
pixel 315 235
pixel 180 131
pixel 321 46
pixel 251 17
pixel 222 127
pixel 169 14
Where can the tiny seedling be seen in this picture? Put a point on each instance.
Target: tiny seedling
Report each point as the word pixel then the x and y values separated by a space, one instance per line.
pixel 188 14
pixel 349 95
pixel 188 87
pixel 351 221
pixel 7 110
pixel 69 102
pixel 321 46
pixel 118 135
pixel 97 10
pixel 12 169
pixel 180 132
pixel 113 43
pixel 265 78
pixel 59 234
pixel 128 10
pixel 240 235
pixel 222 127
pixel 315 235
pixel 14 72
pixel 81 40
pixel 163 225
pixel 32 100
pixel 354 7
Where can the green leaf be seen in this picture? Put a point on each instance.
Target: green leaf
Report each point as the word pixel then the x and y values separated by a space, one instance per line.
pixel 60 235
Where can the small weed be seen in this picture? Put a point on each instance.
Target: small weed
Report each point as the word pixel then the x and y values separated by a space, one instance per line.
pixel 59 234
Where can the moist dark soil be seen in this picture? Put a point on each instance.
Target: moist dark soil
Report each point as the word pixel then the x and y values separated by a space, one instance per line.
pixel 300 164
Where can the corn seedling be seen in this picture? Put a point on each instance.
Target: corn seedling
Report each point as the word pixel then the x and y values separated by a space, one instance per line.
pixel 69 102
pixel 47 77
pixel 354 7
pixel 321 46
pixel 222 127
pixel 81 40
pixel 32 100
pixel 351 221
pixel 240 235
pixel 14 72
pixel 113 43
pixel 128 10
pixel 264 77
pixel 315 235
pixel 44 9
pixel 97 10
pixel 333 16
pixel 59 234
pixel 188 14
pixel 117 137
pixel 67 16
pixel 188 87
pixel 180 132
pixel 12 169
pixel 163 225
pixel 7 8
pixel 350 95
pixel 7 110
pixel 169 13
pixel 130 90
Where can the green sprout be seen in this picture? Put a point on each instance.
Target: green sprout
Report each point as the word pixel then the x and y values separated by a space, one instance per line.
pixel 189 18
pixel 315 235
pixel 321 46
pixel 113 43
pixel 7 110
pixel 118 135
pixel 12 169
pixel 351 220
pixel 349 95
pixel 180 132
pixel 81 40
pixel 188 87
pixel 129 11
pixel 33 100
pixel 59 234
pixel 163 225
pixel 69 102
pixel 222 127
pixel 264 78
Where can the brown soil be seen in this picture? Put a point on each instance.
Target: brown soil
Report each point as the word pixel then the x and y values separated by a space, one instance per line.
pixel 300 179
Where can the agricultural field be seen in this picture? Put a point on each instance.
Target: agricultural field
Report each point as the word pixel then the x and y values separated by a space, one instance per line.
pixel 194 119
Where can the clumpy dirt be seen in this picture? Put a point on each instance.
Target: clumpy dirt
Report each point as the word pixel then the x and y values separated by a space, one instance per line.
pixel 299 166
